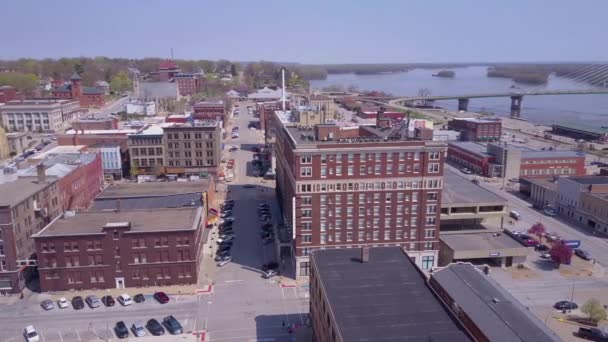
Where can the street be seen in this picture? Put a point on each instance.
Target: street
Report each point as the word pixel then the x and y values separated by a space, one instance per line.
pixel 241 307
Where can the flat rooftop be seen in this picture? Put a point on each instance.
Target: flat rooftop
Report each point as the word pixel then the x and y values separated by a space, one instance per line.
pixel 384 299
pixel 152 220
pixel 21 188
pixel 547 183
pixel 498 315
pixel 102 131
pixel 149 202
pixel 551 154
pixel 459 190
pixel 480 241
pixel 151 189
pixel 477 120
pixel 590 180
pixel 582 128
pixel 472 147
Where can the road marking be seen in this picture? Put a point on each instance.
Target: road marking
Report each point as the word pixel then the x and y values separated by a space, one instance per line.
pixel 77 334
pixel 233 281
pixel 60 336
pixel 42 335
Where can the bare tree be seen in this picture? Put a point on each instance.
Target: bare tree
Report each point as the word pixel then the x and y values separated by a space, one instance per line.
pixel 424 92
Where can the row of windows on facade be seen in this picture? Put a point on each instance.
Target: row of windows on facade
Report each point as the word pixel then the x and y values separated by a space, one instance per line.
pixel 29 115
pixel 556 171
pixel 188 154
pixel 371 223
pixel 177 145
pixel 369 186
pixel 97 259
pixel 374 211
pixel 364 198
pixel 74 246
pixel 306 171
pixel 175 136
pixel 376 157
pixel 75 277
pixel 145 140
pixel 548 161
pixel 389 235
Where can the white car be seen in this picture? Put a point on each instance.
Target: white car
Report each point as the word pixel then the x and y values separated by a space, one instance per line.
pixel 30 334
pixel 63 303
pixel 125 299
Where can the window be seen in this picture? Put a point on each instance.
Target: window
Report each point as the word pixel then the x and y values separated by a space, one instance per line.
pixel 306 212
pixel 387 235
pixel 307 200
pixel 304 268
pixel 431 196
pixel 430 221
pixel 429 233
pixel 306 159
pixel 428 262
pixel 351 171
pixel 338 237
pixel 306 225
pixel 376 235
pixel 323 237
pixel 305 251
pixel 434 156
pixel 433 167
pixel 306 171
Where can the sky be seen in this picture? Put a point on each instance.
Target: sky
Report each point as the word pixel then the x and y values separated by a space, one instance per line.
pixel 308 31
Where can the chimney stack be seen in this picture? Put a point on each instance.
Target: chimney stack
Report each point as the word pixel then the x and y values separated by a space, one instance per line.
pixel 364 254
pixel 41 173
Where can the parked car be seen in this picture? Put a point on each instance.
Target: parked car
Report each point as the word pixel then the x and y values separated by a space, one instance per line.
pixel 549 212
pixel 541 248
pixel 172 325
pixel 227 238
pixel 269 274
pixel 466 171
pixel 593 334
pixel 161 297
pixel 93 301
pixel 47 304
pixel 226 213
pixel 545 255
pixel 224 261
pixel 124 299
pixel 77 303
pixel 31 335
pixel 228 219
pixel 155 328
pixel 108 301
pixel 233 148
pixel 565 305
pixel 582 254
pixel 138 329
pixel 139 298
pixel 221 256
pixel 63 303
pixel 121 330
pixel 514 215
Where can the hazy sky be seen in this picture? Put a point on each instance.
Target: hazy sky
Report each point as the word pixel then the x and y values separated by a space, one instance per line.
pixel 309 31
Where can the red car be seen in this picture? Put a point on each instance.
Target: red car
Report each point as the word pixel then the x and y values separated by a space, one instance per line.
pixel 161 297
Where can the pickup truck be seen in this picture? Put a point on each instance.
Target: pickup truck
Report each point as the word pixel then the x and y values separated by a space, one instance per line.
pixel 593 334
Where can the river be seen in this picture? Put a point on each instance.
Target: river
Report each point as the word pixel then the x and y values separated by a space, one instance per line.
pixel 589 109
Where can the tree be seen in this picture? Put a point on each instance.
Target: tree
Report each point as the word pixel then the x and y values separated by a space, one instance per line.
pixel 23 82
pixel 13 154
pixel 594 309
pixel 78 68
pixel 121 82
pixel 233 71
pixel 537 229
pixel 560 253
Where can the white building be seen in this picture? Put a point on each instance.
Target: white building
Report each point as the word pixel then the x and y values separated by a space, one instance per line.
pixel 49 115
pixel 111 160
pixel 147 108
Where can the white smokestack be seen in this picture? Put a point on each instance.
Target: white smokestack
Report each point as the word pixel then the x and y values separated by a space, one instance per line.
pixel 283 79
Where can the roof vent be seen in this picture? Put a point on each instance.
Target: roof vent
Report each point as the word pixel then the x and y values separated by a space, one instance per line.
pixel 495 300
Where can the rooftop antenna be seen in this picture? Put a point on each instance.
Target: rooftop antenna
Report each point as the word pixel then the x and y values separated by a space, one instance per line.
pixel 283 80
pixel 171 53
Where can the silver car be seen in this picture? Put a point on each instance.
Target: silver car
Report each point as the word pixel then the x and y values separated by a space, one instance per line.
pixel 93 301
pixel 47 304
pixel 138 329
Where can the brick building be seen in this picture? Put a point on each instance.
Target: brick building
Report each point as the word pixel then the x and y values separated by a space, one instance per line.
pixel 167 69
pixel 48 115
pixel 93 122
pixel 8 93
pixel 210 109
pixel 265 111
pixel 583 200
pixel 146 151
pixel 87 96
pixel 193 148
pixel 187 83
pixel 117 249
pixel 375 294
pixel 504 160
pixel 358 186
pixel 473 129
pixel 79 178
pixel 26 206
pixel 93 137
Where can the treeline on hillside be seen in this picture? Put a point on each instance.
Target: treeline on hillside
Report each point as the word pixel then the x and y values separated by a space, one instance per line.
pixel 539 73
pixel 103 68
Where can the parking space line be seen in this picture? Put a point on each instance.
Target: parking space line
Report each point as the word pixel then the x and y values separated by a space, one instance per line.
pixel 60 336
pixel 77 334
pixel 42 335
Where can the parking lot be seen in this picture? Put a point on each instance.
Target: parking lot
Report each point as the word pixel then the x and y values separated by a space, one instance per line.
pixel 242 305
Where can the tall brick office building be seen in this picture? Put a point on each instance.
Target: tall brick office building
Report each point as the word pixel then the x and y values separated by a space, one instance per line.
pixel 358 186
